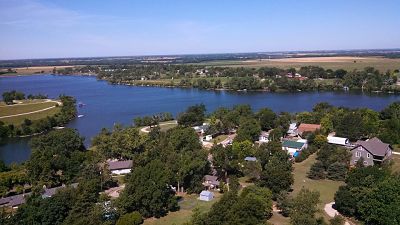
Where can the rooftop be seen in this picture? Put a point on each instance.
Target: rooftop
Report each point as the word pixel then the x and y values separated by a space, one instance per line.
pixel 117 165
pixel 306 127
pixel 292 144
pixel 375 146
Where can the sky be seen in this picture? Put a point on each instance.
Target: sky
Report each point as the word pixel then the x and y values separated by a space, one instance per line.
pixel 89 28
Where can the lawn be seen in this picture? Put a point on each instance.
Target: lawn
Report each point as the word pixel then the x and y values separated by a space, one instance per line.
pixel 25 107
pixel 326 188
pixel 396 163
pixel 220 138
pixel 188 203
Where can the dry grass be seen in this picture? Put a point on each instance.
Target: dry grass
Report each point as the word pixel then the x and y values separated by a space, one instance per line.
pixel 396 163
pixel 348 63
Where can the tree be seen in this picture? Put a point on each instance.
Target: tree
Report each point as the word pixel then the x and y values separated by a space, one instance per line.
pixel 243 149
pixel 252 169
pixel 266 118
pixel 317 171
pixel 304 207
pixel 56 157
pixel 276 134
pixel 148 192
pixel 320 140
pixel 337 171
pixel 249 129
pixel 277 175
pixel 133 218
pixel 194 115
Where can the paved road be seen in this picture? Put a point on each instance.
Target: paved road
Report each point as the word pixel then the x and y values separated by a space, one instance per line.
pixel 147 129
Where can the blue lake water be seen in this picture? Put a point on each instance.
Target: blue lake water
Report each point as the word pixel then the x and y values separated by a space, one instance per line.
pixel 109 104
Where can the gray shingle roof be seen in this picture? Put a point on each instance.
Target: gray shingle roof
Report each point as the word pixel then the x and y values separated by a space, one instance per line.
pixel 117 165
pixel 375 146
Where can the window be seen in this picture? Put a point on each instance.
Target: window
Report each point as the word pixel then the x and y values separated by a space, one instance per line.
pixel 358 154
pixel 368 155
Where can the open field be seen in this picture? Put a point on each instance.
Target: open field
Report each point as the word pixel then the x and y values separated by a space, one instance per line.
pixel 33 110
pixel 347 63
pixel 34 70
pixel 164 126
pixel 187 205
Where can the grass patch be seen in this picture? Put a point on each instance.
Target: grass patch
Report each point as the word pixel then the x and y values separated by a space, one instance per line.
pixel 24 108
pixel 17 120
pixel 396 163
pixel 187 205
pixel 220 138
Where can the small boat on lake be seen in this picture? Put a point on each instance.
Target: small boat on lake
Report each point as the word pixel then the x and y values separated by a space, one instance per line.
pixel 79 116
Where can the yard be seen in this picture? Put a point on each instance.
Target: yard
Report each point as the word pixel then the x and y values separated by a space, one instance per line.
pixel 326 188
pixel 396 163
pixel 187 204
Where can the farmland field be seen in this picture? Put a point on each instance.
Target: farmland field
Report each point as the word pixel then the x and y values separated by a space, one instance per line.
pixel 347 63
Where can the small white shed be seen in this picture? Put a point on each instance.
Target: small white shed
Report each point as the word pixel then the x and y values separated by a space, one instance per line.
pixel 206 196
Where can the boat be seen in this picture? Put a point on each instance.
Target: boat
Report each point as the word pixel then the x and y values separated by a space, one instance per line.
pixel 81 104
pixel 79 116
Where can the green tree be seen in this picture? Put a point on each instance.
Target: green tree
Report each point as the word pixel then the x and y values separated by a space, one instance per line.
pixel 277 175
pixel 266 118
pixel 148 192
pixel 304 207
pixel 249 129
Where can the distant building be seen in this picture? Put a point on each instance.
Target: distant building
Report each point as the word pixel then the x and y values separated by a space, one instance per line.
pixel 293 147
pixel 120 167
pixel 206 196
pixel 49 192
pixel 373 151
pixel 210 182
pixel 250 159
pixel 201 129
pixel 292 131
pixel 13 201
pixel 306 127
pixel 263 138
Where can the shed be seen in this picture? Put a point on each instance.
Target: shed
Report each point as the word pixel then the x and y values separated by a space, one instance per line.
pixel 206 196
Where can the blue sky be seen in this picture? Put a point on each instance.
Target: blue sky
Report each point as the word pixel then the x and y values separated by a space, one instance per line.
pixel 80 28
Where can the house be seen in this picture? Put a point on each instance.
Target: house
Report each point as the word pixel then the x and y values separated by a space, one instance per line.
pixel 13 201
pixel 338 141
pixel 291 146
pixel 306 127
pixel 292 131
pixel 201 129
pixel 210 181
pixel 250 159
pixel 49 192
pixel 206 196
pixel 120 167
pixel 263 138
pixel 373 151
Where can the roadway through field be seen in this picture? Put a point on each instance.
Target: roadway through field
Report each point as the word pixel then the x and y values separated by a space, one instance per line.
pixel 32 112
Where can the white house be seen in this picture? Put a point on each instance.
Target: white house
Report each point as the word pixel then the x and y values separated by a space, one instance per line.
pixel 292 129
pixel 338 140
pixel 208 138
pixel 263 138
pixel 120 167
pixel 206 196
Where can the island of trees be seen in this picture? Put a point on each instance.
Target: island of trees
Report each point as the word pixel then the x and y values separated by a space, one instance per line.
pixel 170 165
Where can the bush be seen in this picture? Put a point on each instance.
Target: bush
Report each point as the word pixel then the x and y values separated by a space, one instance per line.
pixel 133 218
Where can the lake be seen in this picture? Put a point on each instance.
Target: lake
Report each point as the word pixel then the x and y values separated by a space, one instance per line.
pixel 109 104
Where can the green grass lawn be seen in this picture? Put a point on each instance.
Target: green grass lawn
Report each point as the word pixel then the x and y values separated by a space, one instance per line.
pixel 187 205
pixel 25 107
pixel 220 138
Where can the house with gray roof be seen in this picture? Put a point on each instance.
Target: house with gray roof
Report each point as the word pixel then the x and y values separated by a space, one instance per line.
pixel 119 167
pixel 13 201
pixel 373 151
pixel 210 181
